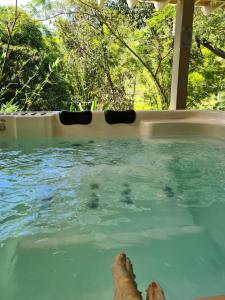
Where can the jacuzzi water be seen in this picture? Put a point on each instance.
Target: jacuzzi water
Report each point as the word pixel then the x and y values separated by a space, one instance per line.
pixel 67 208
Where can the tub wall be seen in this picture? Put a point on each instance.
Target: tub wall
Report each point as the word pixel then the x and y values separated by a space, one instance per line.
pixel 147 124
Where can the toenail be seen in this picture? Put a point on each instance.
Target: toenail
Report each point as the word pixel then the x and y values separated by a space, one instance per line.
pixel 154 284
pixel 122 254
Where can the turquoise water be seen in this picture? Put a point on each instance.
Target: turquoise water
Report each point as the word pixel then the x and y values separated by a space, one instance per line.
pixel 68 207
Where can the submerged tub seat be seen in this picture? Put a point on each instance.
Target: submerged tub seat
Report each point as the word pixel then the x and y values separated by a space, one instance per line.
pixel 145 124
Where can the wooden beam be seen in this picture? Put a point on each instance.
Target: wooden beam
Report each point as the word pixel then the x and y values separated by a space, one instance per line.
pixel 214 3
pixel 181 54
pixel 222 5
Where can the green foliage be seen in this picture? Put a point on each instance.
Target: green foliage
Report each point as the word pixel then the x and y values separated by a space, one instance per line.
pixel 10 107
pixel 27 31
pixel 206 75
pixel 94 63
pixel 105 58
pixel 220 103
pixel 31 68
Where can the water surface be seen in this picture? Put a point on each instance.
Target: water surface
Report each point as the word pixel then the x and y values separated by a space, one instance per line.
pixel 68 207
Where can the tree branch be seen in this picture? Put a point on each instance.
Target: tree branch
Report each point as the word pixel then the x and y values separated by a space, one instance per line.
pixel 159 65
pixel 209 46
pixel 103 20
pixel 157 83
pixel 56 15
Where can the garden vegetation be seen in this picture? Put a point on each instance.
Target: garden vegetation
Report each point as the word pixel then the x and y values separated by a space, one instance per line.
pixel 74 55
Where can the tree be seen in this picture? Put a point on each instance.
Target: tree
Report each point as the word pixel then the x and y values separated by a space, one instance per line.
pixel 109 57
pixel 94 61
pixel 30 65
pixel 207 69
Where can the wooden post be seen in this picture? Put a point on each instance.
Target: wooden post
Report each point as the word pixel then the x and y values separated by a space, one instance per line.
pixel 181 55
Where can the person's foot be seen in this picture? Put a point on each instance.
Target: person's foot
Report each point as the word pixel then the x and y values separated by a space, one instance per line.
pixel 124 279
pixel 155 292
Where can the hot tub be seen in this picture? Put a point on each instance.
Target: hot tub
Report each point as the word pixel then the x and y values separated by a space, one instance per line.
pixel 77 189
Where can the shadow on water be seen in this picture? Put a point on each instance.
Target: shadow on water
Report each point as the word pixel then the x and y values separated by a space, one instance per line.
pixel 93 201
pixel 126 194
pixel 168 191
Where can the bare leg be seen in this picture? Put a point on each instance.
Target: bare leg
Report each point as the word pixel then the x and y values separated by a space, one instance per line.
pixel 124 279
pixel 155 292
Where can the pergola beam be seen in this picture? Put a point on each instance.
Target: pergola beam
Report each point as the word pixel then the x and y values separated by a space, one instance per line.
pixel 214 3
pixel 181 54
